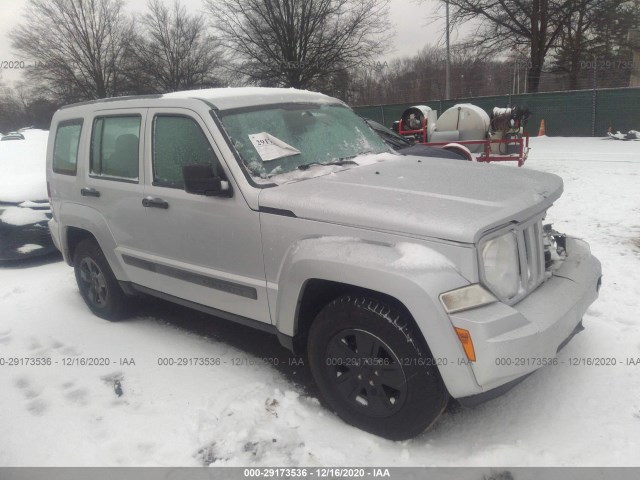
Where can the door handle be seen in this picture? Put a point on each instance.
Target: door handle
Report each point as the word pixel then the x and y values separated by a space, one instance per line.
pixel 155 202
pixel 89 192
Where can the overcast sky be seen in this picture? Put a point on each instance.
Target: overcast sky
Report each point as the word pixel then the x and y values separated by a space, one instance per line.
pixel 414 20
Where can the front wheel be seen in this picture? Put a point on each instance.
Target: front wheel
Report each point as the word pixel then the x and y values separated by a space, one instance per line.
pixel 373 368
pixel 98 286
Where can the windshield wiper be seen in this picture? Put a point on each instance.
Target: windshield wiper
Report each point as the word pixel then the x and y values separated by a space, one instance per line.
pixel 342 161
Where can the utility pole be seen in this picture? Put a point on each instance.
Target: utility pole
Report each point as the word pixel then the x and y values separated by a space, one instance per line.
pixel 594 96
pixel 448 67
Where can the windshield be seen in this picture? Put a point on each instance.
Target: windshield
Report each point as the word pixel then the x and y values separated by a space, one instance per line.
pixel 277 139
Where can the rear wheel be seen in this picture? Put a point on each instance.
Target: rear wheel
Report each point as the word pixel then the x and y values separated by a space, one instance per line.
pixel 373 369
pixel 98 286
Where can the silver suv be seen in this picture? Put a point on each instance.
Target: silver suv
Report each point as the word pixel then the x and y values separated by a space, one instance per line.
pixel 404 280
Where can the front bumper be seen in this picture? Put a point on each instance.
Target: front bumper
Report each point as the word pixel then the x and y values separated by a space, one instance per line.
pixel 513 341
pixel 24 241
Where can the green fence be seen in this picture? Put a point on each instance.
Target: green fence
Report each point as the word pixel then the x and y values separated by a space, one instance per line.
pixel 581 113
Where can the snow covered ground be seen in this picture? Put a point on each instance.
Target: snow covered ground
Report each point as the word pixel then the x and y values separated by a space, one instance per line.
pixel 245 411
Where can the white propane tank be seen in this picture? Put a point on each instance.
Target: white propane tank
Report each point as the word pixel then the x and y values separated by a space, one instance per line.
pixel 463 121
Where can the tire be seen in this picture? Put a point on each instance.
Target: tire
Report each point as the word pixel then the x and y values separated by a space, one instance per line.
pixel 394 390
pixel 98 286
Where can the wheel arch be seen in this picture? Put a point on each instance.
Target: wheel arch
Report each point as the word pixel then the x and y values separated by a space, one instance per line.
pixel 317 293
pixel 80 222
pixel 73 236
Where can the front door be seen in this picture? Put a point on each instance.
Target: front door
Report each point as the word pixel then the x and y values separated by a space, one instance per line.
pixel 203 249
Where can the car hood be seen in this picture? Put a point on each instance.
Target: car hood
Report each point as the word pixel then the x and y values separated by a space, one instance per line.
pixel 436 198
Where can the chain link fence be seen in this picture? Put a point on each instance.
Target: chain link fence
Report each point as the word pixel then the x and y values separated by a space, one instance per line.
pixel 581 113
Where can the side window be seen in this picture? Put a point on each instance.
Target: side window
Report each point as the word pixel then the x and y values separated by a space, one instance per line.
pixel 178 141
pixel 65 148
pixel 115 147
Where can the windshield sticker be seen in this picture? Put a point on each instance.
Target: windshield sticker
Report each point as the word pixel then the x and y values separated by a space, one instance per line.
pixel 270 147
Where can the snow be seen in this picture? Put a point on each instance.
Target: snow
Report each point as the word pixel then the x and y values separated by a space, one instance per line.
pixel 417 257
pixel 29 247
pixel 321 170
pixel 234 92
pixel 29 204
pixel 237 97
pixel 257 413
pixel 371 158
pixel 23 167
pixel 22 216
pixel 630 135
pixel 404 256
pixel 499 111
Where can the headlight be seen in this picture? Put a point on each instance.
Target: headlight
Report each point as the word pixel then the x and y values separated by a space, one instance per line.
pixel 501 265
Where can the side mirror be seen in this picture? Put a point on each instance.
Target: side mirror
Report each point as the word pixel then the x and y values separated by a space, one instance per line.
pixel 199 179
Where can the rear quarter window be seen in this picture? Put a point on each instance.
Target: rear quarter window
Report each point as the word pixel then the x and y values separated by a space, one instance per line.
pixel 65 149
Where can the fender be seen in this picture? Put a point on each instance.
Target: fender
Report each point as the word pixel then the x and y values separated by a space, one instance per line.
pixel 89 219
pixel 412 273
pixel 461 149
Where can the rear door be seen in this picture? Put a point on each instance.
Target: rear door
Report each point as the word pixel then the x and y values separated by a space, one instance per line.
pixel 114 178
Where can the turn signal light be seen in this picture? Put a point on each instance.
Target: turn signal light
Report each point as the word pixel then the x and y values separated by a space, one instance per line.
pixel 467 343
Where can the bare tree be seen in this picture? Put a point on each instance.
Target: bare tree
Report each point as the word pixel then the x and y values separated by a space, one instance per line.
pixel 300 43
pixel 79 46
pixel 536 24
pixel 175 51
pixel 24 106
pixel 421 77
pixel 12 115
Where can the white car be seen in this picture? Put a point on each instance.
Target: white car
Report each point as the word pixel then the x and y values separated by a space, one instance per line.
pixel 24 204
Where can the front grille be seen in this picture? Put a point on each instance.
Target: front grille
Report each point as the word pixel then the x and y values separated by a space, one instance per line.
pixel 531 253
pixel 530 257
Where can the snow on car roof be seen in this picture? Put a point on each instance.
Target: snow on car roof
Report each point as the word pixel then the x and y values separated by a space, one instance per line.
pixel 223 98
pixel 239 97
